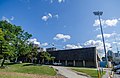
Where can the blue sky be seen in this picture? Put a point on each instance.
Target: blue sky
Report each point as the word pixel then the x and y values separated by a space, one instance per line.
pixel 66 23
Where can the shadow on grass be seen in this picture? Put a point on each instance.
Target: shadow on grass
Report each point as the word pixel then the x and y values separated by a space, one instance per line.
pixel 32 64
pixel 6 65
pixel 3 67
pixel 10 63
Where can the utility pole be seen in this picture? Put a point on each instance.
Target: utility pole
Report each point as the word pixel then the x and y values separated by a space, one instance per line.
pixel 99 13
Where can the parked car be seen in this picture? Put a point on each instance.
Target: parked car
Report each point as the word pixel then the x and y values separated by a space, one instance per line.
pixel 115 68
pixel 57 64
pixel 118 71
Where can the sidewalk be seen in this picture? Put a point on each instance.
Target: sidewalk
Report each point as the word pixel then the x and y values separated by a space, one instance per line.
pixel 68 73
pixel 108 73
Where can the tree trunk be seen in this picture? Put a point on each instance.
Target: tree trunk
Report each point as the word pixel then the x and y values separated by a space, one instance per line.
pixel 43 61
pixel 53 60
pixel 3 61
pixel 32 60
pixel 16 59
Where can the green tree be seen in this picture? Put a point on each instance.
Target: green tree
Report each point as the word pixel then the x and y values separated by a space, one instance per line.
pixel 7 50
pixel 14 40
pixel 1 35
pixel 1 42
pixel 46 56
pixel 21 45
pixel 52 58
pixel 32 55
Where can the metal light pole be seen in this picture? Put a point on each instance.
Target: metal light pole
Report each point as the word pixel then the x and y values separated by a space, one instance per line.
pixel 99 13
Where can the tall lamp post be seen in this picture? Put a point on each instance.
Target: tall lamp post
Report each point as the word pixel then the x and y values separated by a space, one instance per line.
pixel 99 13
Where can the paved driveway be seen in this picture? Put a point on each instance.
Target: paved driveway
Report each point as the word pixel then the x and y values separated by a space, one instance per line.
pixel 108 72
pixel 116 76
pixel 67 72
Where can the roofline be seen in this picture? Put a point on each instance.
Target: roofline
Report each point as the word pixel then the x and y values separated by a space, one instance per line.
pixel 74 49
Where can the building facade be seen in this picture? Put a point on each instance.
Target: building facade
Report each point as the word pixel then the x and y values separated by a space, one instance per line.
pixel 51 49
pixel 83 57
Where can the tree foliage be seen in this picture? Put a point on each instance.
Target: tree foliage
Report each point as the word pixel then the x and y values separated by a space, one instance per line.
pixel 46 56
pixel 1 35
pixel 32 55
pixel 13 41
pixel 14 44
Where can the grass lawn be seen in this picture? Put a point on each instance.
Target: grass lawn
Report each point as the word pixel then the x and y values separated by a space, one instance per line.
pixel 27 68
pixel 89 71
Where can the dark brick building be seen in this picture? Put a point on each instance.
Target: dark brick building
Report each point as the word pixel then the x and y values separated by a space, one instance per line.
pixel 83 57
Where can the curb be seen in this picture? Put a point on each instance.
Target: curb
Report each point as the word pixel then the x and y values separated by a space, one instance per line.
pixel 80 73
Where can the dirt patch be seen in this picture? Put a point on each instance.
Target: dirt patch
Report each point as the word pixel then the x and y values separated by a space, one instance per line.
pixel 29 75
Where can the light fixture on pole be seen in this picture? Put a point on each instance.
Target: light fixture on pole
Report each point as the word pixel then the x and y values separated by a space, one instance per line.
pixel 99 13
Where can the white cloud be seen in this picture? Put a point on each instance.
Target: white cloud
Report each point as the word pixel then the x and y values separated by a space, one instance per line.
pixel 34 41
pixel 44 44
pixel 114 42
pixel 98 44
pixel 110 23
pixel 97 22
pixel 89 43
pixel 60 1
pixel 51 1
pixel 25 1
pixel 119 19
pixel 56 16
pixel 106 35
pixel 7 19
pixel 46 17
pixel 72 46
pixel 62 37
pixel 12 18
pixel 49 16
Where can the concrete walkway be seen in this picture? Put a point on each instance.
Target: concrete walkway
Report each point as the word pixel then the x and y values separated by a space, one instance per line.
pixel 67 72
pixel 108 73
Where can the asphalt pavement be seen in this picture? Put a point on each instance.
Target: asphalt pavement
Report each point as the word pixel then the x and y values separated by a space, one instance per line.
pixel 71 74
pixel 110 74
pixel 116 76
pixel 67 72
